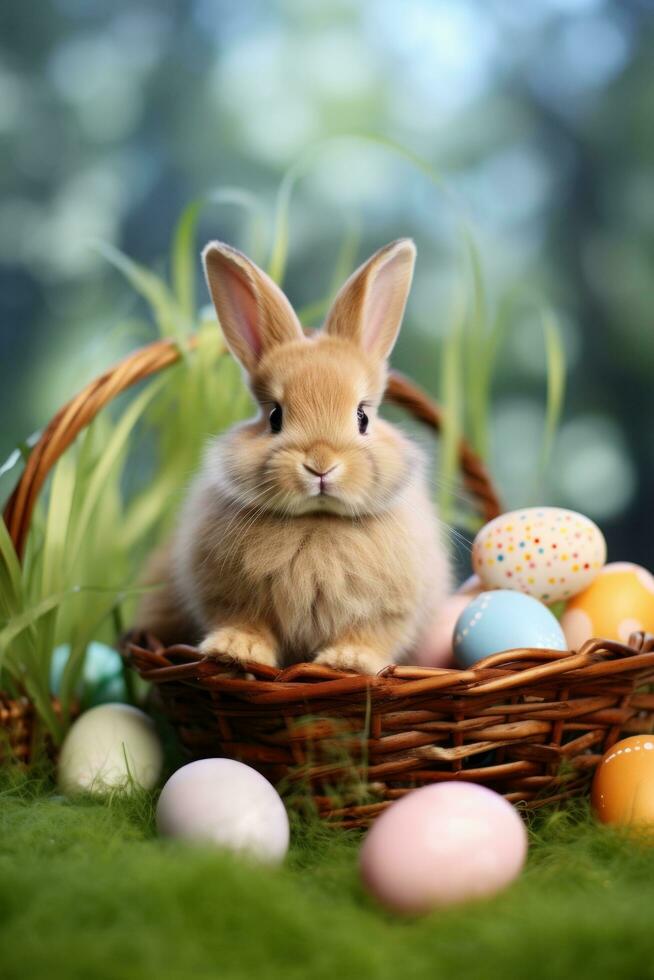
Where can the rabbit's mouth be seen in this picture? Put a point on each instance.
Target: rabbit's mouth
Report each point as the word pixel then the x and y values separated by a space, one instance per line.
pixel 319 481
pixel 322 502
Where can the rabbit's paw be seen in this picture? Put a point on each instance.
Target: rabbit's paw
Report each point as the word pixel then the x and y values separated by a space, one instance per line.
pixel 232 645
pixel 351 656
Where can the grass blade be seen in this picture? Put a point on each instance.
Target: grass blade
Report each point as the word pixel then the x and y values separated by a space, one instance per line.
pixel 250 203
pixel 62 489
pixel 74 666
pixel 183 261
pixel 153 289
pixel 312 313
pixel 281 235
pixel 54 556
pixel 478 369
pixel 452 429
pixel 556 376
pixel 115 446
pixel 30 616
pixel 281 223
pixel 11 583
pixel 347 255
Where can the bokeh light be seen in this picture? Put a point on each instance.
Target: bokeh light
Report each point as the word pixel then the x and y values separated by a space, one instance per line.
pixel 535 118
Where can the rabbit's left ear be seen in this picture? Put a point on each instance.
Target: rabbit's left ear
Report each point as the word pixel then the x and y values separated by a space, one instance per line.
pixel 370 306
pixel 253 312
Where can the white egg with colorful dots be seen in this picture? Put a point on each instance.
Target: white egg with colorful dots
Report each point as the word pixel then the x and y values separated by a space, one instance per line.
pixel 504 620
pixel 546 552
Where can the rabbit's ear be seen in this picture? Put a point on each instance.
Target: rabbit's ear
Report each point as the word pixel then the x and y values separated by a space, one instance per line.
pixel 370 306
pixel 253 312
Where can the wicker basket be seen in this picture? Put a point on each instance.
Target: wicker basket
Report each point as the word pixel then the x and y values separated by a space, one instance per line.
pixel 16 729
pixel 530 723
pixel 21 740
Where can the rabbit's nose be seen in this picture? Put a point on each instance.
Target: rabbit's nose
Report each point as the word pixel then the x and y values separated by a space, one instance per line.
pixel 320 473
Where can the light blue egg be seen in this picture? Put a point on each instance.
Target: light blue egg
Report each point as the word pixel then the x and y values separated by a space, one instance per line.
pixel 102 677
pixel 504 620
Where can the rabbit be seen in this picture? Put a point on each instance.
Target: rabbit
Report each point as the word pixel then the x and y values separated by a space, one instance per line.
pixel 309 533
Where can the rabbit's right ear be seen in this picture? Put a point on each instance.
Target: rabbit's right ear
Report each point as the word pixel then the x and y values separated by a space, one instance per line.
pixel 253 312
pixel 369 307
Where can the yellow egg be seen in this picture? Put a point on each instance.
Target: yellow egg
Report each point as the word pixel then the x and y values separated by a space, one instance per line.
pixel 623 787
pixel 619 602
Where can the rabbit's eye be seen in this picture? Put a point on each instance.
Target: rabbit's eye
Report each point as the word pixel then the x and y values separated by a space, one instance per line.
pixel 362 420
pixel 275 418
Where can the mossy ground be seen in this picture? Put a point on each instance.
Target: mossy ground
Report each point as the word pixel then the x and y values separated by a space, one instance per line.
pixel 88 891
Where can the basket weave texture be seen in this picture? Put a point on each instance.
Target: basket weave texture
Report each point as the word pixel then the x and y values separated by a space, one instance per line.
pixel 531 724
pixel 16 728
pixel 19 735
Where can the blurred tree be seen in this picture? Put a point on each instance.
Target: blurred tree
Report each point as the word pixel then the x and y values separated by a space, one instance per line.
pixel 113 115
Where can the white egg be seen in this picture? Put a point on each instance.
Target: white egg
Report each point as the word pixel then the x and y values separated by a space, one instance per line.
pixel 546 552
pixel 111 746
pixel 223 802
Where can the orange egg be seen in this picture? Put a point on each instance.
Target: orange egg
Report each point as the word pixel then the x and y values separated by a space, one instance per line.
pixel 623 787
pixel 619 602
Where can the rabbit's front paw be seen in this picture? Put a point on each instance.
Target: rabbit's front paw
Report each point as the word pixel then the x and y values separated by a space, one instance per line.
pixel 350 656
pixel 232 645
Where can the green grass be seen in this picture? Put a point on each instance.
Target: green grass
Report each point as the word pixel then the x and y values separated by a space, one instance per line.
pixel 88 891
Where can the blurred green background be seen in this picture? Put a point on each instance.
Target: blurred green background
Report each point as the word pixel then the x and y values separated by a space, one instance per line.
pixel 538 117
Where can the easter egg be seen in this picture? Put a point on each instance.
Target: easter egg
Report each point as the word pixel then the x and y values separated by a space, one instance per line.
pixel 442 845
pixel 113 746
pixel 504 620
pixel 223 802
pixel 472 586
pixel 623 787
pixel 619 602
pixel 546 552
pixel 435 647
pixel 102 677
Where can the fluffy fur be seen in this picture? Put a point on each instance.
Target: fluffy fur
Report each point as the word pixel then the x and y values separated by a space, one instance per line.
pixel 318 541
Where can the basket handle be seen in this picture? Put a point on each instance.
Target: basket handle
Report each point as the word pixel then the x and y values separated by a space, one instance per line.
pixel 82 409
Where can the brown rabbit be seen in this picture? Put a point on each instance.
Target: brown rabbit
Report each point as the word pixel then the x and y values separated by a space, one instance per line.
pixel 309 533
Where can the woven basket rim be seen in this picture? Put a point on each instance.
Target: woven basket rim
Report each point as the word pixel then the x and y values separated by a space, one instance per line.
pixel 503 671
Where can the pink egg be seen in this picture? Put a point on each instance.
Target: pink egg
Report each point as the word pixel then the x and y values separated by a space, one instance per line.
pixel 435 647
pixel 472 586
pixel 441 845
